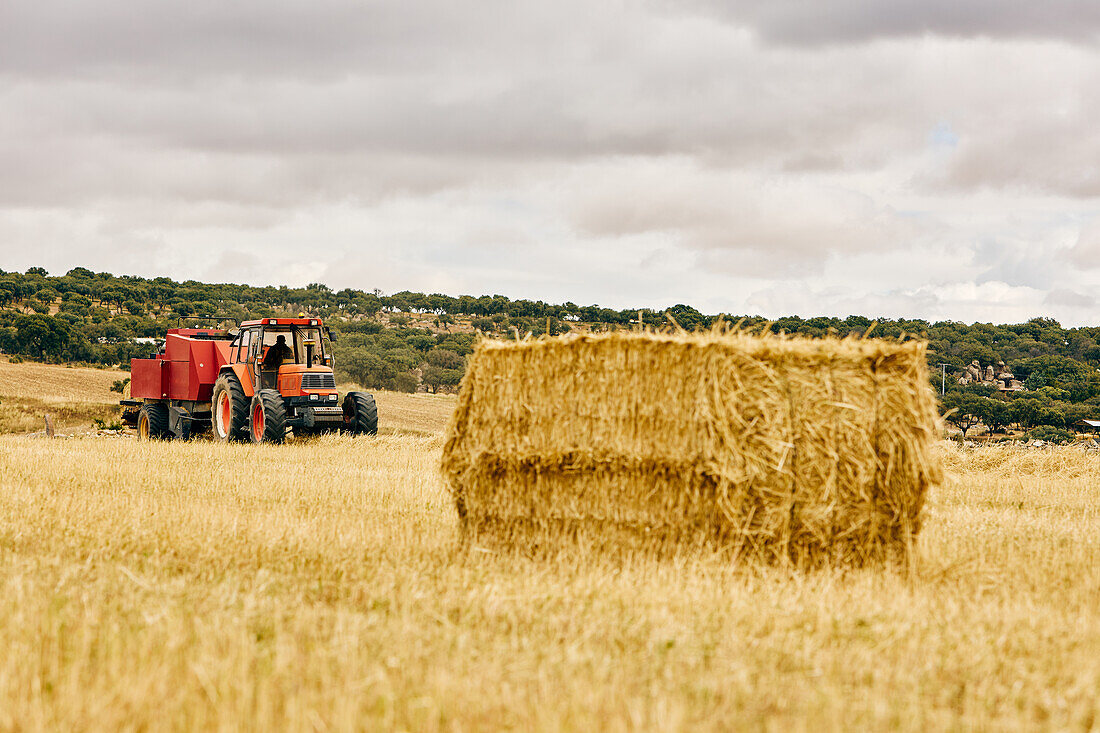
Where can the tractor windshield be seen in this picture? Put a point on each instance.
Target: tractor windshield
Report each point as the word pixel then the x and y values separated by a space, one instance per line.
pixel 296 339
pixel 308 336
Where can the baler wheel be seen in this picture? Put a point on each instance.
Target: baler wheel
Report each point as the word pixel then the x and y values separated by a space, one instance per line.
pixel 229 409
pixel 360 413
pixel 152 423
pixel 268 417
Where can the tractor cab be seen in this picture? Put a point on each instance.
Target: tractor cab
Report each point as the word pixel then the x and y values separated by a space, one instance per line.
pixel 290 355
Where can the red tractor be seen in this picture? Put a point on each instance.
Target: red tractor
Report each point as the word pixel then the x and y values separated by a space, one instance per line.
pixel 254 383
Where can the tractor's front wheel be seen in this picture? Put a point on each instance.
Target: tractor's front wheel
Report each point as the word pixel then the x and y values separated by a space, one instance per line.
pixel 360 413
pixel 152 422
pixel 229 409
pixel 268 417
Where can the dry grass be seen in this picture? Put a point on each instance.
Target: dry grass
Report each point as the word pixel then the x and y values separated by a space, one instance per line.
pixel 320 586
pixel 409 414
pixel 789 450
pixel 58 384
pixel 73 396
pixel 25 414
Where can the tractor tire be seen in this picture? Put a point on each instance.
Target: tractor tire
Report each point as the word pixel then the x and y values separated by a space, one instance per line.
pixel 229 410
pixel 152 422
pixel 360 414
pixel 268 417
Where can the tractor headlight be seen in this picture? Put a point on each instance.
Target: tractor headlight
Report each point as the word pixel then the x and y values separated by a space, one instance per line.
pixel 313 397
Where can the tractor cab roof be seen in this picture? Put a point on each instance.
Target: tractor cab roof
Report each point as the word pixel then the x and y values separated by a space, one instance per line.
pixel 287 322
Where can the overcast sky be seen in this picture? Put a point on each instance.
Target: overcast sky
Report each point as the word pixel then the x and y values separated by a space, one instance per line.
pixel 918 158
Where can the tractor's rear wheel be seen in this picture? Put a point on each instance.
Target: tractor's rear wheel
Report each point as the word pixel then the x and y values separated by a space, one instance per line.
pixel 152 423
pixel 268 417
pixel 360 413
pixel 229 409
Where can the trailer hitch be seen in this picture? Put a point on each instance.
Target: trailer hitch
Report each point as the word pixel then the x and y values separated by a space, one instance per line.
pixel 179 422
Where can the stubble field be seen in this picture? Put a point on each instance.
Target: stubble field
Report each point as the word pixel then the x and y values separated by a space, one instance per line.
pixel 72 396
pixel 321 586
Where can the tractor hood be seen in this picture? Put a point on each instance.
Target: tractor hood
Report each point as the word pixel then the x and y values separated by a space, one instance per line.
pixel 297 379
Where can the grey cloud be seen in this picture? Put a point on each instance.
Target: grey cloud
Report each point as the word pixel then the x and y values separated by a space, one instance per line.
pixel 1023 120
pixel 799 22
pixel 732 224
pixel 1020 263
pixel 787 298
pixel 990 302
pixel 1063 296
pixel 87 170
pixel 512 80
pixel 340 82
pixel 650 149
pixel 148 41
pixel 1043 150
pixel 87 38
pixel 1084 253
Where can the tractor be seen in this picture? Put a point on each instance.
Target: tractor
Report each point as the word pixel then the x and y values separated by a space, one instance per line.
pixel 253 382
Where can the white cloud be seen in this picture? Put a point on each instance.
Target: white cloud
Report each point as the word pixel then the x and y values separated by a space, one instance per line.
pixel 911 159
pixel 846 21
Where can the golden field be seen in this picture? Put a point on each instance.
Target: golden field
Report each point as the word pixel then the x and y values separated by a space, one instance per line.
pixel 320 585
pixel 75 397
pixel 72 396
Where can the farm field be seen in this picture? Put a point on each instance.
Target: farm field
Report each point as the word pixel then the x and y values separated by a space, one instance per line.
pixel 72 396
pixel 320 585
pixel 75 396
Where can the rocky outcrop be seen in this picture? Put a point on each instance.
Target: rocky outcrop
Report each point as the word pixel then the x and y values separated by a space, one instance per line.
pixel 994 375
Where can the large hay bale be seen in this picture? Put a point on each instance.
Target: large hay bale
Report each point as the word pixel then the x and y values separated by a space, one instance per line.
pixel 782 449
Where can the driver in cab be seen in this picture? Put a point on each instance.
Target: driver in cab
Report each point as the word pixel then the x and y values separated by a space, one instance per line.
pixel 277 354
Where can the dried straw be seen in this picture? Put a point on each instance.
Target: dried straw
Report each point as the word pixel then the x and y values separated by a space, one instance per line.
pixel 1008 460
pixel 782 449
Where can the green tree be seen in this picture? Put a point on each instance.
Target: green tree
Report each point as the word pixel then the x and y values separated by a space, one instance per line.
pixel 445 358
pixel 421 341
pixel 1025 411
pixel 1051 434
pixel 963 410
pixel 437 378
pixel 688 318
pixel 366 368
pixel 995 414
pixel 41 335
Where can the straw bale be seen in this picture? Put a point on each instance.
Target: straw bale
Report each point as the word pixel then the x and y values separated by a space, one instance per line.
pixel 782 449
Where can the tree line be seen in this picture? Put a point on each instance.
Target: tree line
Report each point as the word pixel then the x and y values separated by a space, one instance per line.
pixel 84 316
